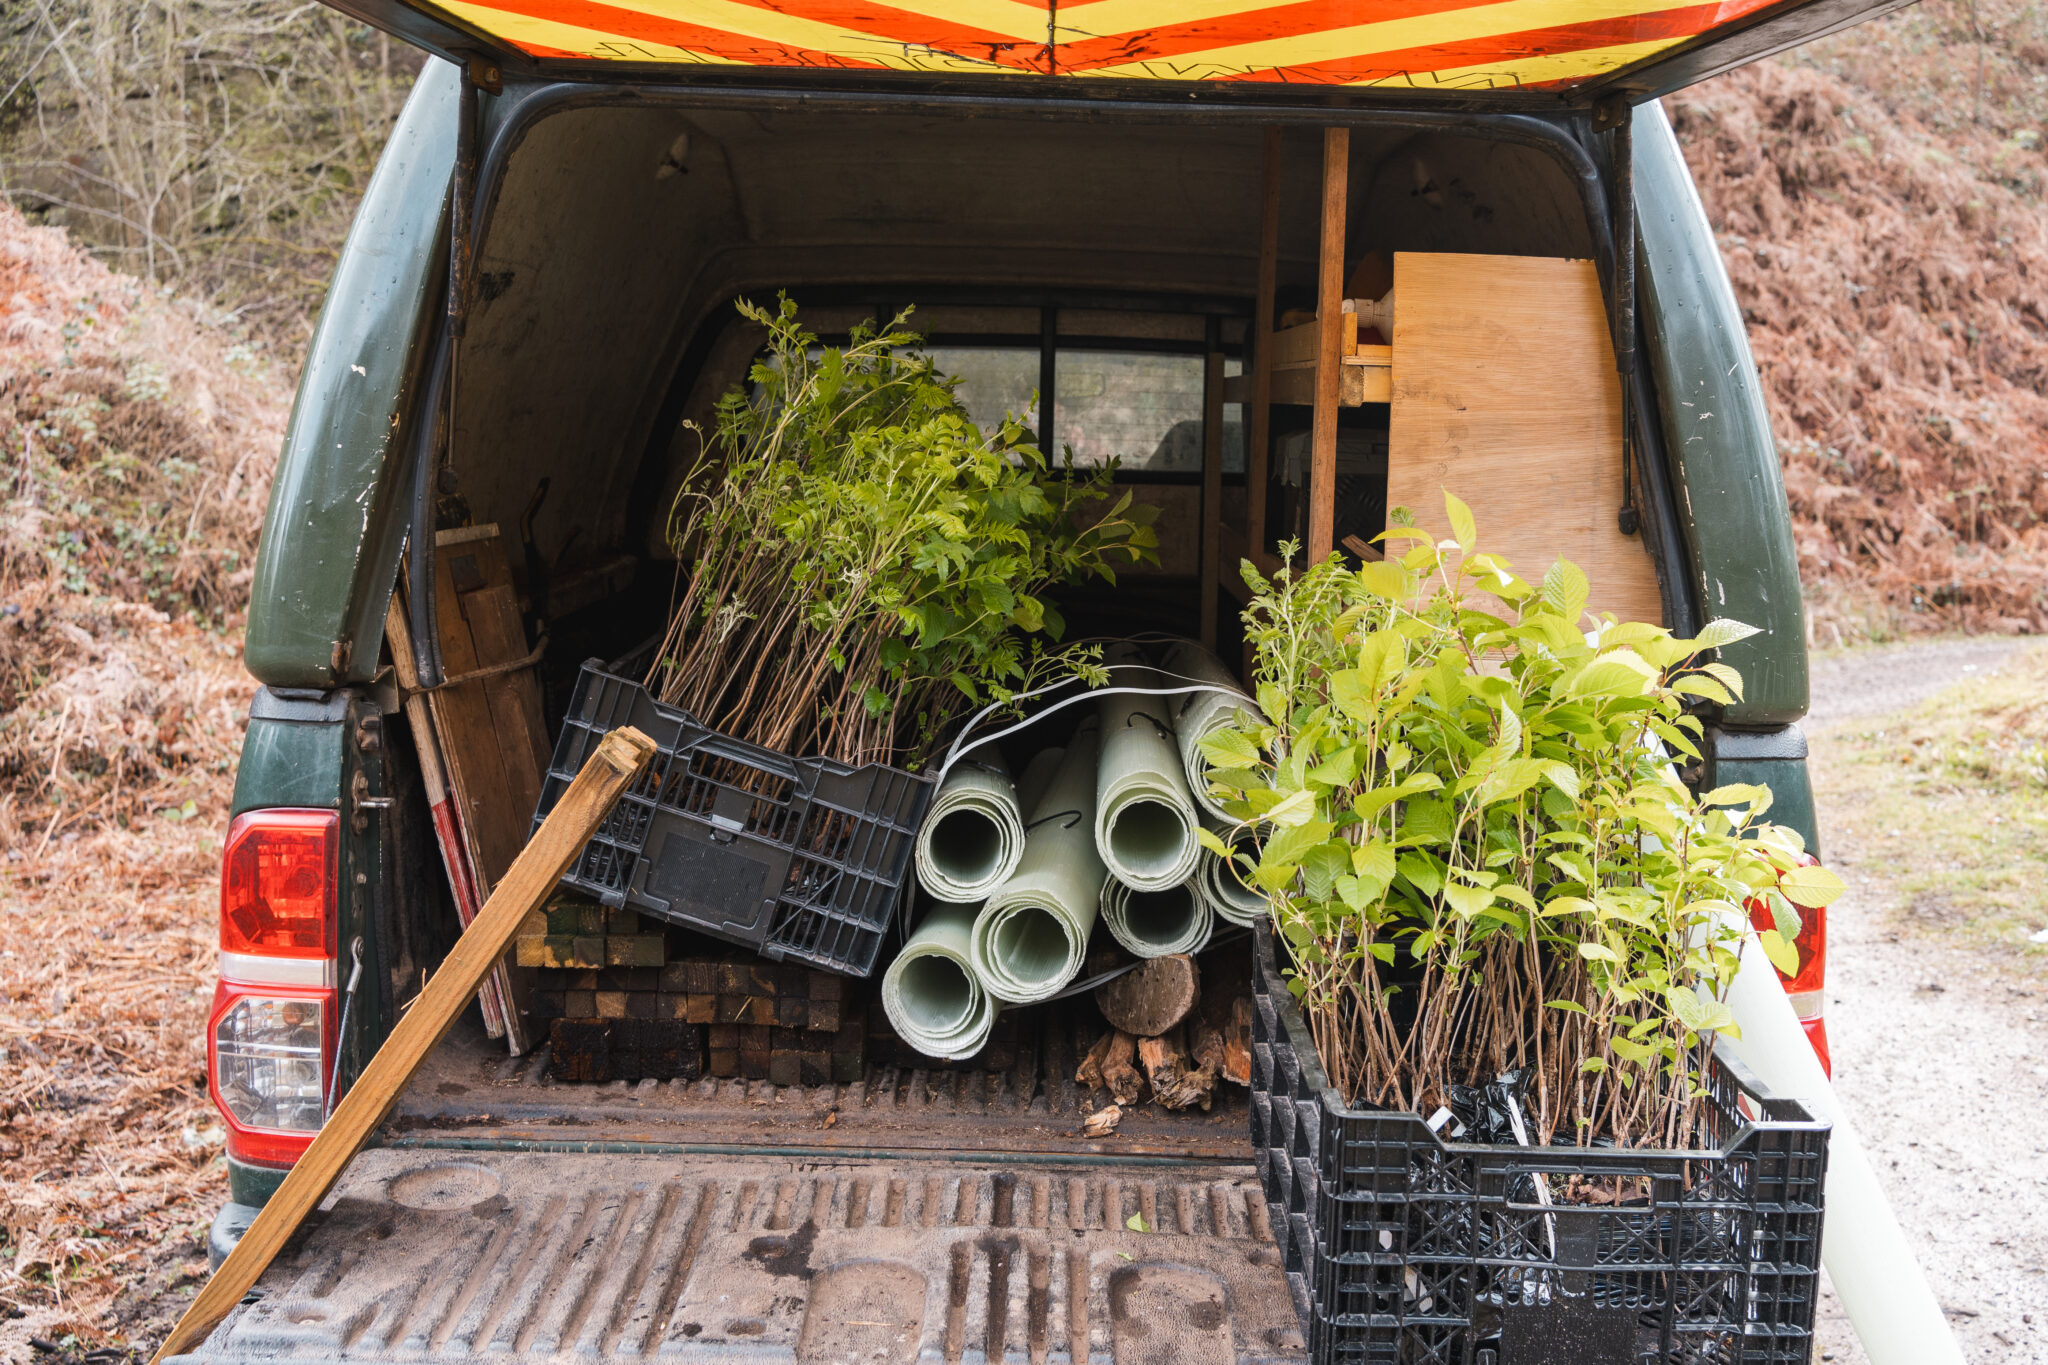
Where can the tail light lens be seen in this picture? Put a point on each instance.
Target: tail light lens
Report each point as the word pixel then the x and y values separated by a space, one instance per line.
pixel 270 1036
pixel 277 884
pixel 1807 988
pixel 267 1054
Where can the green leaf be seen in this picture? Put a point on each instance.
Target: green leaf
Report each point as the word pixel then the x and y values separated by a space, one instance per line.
pixel 1136 1223
pixel 1384 579
pixel 1565 588
pixel 1598 952
pixel 1811 887
pixel 1467 900
pixel 1732 794
pixel 1722 632
pixel 1421 873
pixel 1463 529
pixel 1206 837
pixel 1374 859
pixel 1568 1006
pixel 1621 673
pixel 1784 956
pixel 1294 810
pixel 1229 749
pixel 1322 865
pixel 1339 769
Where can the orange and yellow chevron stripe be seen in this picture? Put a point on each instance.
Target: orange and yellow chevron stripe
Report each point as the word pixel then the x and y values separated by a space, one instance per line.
pixel 1452 45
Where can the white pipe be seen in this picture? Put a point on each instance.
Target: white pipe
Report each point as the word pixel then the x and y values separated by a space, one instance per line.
pixel 1867 1256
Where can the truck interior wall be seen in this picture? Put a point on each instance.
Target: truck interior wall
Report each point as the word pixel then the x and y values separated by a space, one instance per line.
pixel 620 235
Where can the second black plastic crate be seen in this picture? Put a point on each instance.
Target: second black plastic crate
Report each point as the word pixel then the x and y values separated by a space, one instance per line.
pixel 796 857
pixel 1403 1249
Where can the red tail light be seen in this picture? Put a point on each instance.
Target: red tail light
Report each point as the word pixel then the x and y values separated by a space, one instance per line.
pixel 1807 988
pixel 270 1036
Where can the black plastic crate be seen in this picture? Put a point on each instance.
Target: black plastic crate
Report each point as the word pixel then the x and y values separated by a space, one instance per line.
pixel 795 857
pixel 1403 1249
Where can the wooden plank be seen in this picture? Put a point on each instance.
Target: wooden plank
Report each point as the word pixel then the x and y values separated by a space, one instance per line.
pixel 1322 479
pixel 492 733
pixel 611 768
pixel 495 996
pixel 1356 384
pixel 1505 393
pixel 1212 493
pixel 1259 430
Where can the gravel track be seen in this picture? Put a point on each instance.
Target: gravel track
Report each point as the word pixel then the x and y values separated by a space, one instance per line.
pixel 1940 1052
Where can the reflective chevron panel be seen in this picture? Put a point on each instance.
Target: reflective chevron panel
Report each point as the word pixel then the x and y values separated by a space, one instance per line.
pixel 1447 45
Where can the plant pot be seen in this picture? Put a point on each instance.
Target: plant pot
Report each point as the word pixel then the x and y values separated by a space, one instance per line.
pixel 1403 1248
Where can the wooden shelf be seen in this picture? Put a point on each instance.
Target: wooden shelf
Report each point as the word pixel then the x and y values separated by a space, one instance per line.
pixel 1365 377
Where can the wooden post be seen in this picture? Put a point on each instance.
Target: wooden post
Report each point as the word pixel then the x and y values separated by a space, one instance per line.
pixel 618 759
pixel 1322 488
pixel 1259 426
pixel 1210 573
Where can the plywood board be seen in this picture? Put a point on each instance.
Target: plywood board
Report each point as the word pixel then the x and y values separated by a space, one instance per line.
pixel 491 729
pixel 1504 392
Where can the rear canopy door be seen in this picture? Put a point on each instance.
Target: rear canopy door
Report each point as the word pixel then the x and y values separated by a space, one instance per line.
pixel 1493 54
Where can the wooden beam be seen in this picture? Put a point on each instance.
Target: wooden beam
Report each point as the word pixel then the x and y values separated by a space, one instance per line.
pixel 1212 493
pixel 1322 484
pixel 1258 427
pixel 611 768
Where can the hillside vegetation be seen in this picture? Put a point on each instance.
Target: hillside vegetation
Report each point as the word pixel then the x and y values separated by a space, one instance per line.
pixel 1879 199
pixel 1880 204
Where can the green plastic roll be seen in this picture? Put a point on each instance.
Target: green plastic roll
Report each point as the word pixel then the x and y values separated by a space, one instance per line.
pixel 933 998
pixel 1037 776
pixel 1221 884
pixel 1144 811
pixel 1030 937
pixel 1200 714
pixel 973 834
pixel 1157 923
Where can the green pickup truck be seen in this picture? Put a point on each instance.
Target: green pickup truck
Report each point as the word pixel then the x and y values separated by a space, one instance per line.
pixel 532 318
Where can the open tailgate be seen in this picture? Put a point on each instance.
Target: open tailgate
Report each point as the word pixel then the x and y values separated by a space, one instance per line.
pixel 1504 55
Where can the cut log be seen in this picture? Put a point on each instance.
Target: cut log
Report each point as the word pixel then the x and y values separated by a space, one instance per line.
pixel 1109 1066
pixel 1147 1002
pixel 1176 1082
pixel 1223 1039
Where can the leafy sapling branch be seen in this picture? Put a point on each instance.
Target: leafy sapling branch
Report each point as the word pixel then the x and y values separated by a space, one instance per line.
pixel 1475 847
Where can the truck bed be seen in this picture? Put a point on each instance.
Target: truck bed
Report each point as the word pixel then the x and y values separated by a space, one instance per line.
pixel 915 1216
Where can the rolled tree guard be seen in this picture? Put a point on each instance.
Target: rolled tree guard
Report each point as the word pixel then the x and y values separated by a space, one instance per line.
pixel 1157 923
pixel 973 834
pixel 934 999
pixel 1037 776
pixel 1144 811
pixel 1200 714
pixel 1219 884
pixel 1030 938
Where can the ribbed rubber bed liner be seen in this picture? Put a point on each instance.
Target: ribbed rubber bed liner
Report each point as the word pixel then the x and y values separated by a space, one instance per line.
pixel 430 1256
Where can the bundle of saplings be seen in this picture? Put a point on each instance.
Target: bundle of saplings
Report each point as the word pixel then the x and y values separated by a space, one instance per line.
pixel 858 562
pixel 1485 871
